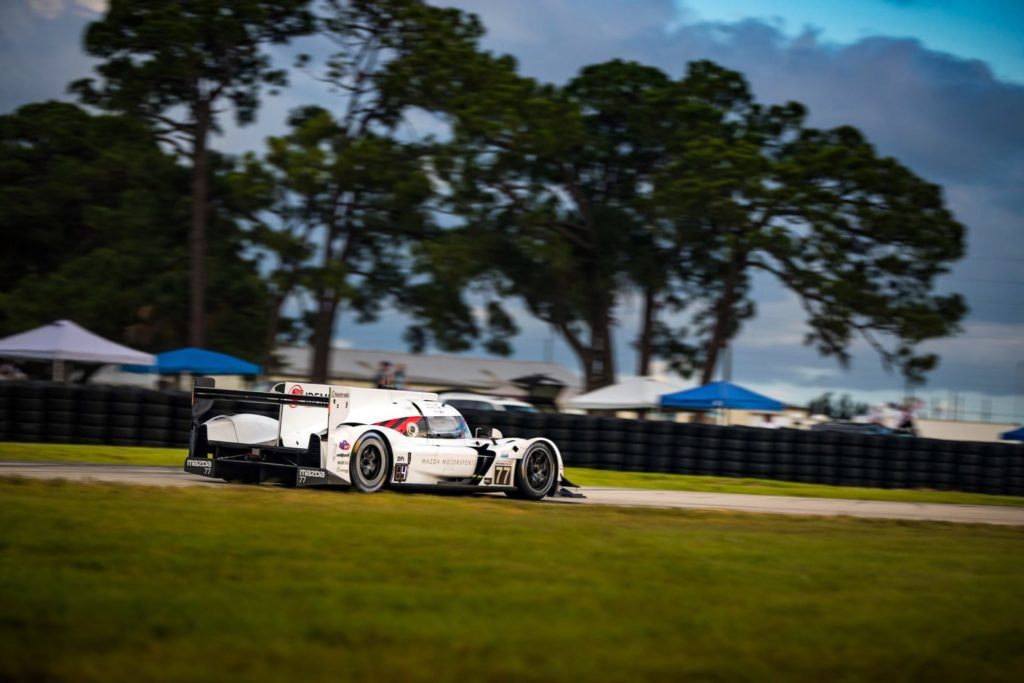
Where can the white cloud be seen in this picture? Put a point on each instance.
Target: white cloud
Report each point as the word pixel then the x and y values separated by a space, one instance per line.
pixel 814 373
pixel 983 343
pixel 51 9
pixel 48 9
pixel 94 6
pixel 778 323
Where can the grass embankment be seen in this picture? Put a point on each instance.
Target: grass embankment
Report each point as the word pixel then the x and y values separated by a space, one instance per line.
pixel 103 582
pixel 115 455
pixel 771 487
pixel 102 455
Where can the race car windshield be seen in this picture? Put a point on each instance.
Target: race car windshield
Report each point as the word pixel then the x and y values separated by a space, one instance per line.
pixel 448 427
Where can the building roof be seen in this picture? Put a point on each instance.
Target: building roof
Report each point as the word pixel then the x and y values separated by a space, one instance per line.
pixel 427 369
pixel 634 393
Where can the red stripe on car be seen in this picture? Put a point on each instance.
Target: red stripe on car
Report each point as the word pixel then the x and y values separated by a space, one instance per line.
pixel 406 422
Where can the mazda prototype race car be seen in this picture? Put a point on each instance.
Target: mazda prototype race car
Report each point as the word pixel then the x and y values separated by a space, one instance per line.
pixel 367 439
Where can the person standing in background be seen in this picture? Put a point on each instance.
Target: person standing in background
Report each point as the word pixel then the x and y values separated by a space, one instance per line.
pixel 400 376
pixel 906 424
pixel 384 378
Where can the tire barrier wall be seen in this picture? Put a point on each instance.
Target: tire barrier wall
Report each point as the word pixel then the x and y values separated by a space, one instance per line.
pixel 782 454
pixel 91 414
pixel 87 414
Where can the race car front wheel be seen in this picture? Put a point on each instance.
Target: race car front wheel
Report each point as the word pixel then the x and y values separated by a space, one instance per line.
pixel 536 473
pixel 369 465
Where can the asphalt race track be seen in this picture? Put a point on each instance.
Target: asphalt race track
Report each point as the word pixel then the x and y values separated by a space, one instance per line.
pixel 784 505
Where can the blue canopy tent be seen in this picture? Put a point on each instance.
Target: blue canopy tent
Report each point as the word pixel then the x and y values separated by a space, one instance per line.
pixel 197 362
pixel 1013 435
pixel 720 395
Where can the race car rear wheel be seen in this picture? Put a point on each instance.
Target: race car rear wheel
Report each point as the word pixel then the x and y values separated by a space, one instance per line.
pixel 370 464
pixel 536 473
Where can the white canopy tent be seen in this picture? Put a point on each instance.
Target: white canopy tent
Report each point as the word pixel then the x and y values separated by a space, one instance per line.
pixel 636 393
pixel 64 340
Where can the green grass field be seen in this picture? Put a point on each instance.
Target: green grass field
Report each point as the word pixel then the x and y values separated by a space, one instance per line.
pixel 103 455
pixel 111 583
pixel 116 455
pixel 770 487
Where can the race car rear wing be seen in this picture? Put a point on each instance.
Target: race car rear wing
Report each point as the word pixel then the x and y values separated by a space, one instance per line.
pixel 252 462
pixel 204 394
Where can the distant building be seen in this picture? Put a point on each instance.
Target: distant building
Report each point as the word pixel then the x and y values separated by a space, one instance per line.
pixel 963 430
pixel 427 372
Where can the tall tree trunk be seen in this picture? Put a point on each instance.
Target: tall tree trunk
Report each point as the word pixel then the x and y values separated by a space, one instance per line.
pixel 323 321
pixel 323 330
pixel 270 332
pixel 329 299
pixel 647 332
pixel 595 355
pixel 599 361
pixel 723 316
pixel 197 238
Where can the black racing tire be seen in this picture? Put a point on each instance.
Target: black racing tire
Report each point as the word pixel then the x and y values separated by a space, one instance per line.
pixel 370 464
pixel 536 473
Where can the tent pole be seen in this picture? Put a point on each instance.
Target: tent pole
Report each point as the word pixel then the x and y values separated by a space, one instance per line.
pixel 58 371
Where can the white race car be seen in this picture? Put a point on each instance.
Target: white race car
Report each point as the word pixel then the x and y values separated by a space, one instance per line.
pixel 368 439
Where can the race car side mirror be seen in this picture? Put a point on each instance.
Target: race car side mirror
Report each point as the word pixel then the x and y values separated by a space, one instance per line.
pixel 495 433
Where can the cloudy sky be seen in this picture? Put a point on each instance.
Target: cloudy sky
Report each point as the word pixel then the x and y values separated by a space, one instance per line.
pixel 939 84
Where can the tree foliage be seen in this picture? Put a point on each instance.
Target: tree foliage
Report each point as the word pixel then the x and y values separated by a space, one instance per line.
pixel 859 238
pixel 173 63
pixel 363 198
pixel 96 231
pixel 624 183
pixel 625 180
pixel 548 194
pixel 390 56
pixel 842 408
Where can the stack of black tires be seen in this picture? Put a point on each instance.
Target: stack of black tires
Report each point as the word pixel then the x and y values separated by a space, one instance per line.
pixel 63 413
pixel 88 414
pixel 790 455
pixel 60 413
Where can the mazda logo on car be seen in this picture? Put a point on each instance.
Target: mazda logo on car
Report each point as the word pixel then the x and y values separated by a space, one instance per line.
pixel 305 474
